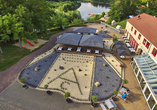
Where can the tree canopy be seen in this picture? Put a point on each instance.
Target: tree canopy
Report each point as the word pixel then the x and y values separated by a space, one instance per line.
pixel 19 18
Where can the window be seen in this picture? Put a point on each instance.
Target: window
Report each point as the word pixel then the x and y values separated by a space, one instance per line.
pixel 144 41
pixel 139 36
pixel 147 45
pixel 154 52
pixel 135 32
pixel 131 28
pixel 125 31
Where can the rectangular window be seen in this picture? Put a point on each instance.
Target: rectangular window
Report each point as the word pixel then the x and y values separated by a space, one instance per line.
pixel 144 41
pixel 154 52
pixel 125 30
pixel 135 32
pixel 131 28
pixel 147 45
pixel 139 36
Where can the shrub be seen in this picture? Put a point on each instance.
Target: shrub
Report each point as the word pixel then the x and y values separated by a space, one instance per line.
pixel 125 81
pixel 22 80
pixel 67 94
pixel 46 86
pixel 94 98
pixel 115 92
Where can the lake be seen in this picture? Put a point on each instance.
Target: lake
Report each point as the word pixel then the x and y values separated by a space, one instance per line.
pixel 87 8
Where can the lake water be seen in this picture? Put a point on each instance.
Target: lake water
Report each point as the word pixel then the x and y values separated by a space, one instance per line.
pixel 87 8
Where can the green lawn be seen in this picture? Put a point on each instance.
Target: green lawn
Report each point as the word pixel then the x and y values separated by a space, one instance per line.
pixel 12 54
pixel 121 23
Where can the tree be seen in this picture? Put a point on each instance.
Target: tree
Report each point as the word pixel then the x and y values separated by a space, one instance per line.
pixel 115 92
pixel 94 98
pixel 67 94
pixel 125 81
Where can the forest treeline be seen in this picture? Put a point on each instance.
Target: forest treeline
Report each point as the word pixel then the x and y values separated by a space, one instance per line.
pixel 18 18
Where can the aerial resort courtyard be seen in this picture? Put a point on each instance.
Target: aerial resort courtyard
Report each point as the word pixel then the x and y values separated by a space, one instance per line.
pixel 77 64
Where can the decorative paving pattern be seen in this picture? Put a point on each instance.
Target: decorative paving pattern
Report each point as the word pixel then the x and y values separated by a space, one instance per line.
pixel 33 77
pixel 109 80
pixel 71 73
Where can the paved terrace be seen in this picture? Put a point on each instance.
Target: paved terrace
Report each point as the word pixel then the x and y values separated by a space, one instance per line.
pixel 20 97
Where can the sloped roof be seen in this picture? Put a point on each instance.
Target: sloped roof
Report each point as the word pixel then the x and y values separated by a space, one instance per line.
pixel 69 38
pixel 146 25
pixel 121 47
pixel 104 35
pixel 92 41
pixel 85 30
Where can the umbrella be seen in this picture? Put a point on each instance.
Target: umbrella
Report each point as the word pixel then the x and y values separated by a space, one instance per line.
pixel 69 38
pixel 118 43
pixel 123 52
pixel 121 47
pixel 85 30
pixel 91 41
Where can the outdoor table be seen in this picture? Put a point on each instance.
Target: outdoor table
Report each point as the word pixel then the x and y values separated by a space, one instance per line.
pixel 105 30
pixel 69 49
pixel 109 104
pixel 122 90
pixel 122 57
pixel 97 51
pixel 113 103
pixel 131 50
pixel 88 51
pixel 124 36
pixel 60 48
pixel 78 49
pixel 128 45
pixel 126 41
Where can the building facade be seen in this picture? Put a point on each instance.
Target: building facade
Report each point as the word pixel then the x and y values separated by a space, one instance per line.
pixel 141 31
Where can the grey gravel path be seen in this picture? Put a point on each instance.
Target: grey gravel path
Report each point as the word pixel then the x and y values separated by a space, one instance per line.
pixel 33 77
pixel 108 78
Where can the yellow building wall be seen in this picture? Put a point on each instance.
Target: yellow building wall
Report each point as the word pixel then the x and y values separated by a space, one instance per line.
pixel 140 42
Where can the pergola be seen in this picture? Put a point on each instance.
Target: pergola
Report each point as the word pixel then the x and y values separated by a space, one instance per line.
pixel 145 70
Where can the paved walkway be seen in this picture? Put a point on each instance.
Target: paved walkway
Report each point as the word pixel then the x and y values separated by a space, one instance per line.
pixel 10 75
pixel 136 102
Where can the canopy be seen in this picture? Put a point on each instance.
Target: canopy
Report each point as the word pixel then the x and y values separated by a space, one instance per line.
pixel 118 43
pixel 85 30
pixel 121 47
pixel 92 41
pixel 69 38
pixel 123 52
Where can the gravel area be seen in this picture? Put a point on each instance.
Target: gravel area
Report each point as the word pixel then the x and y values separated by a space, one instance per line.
pixel 107 77
pixel 33 77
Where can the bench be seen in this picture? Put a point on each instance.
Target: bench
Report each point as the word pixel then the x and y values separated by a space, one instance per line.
pixel 103 106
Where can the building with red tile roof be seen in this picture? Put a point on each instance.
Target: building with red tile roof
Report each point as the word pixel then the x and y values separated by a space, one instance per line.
pixel 141 31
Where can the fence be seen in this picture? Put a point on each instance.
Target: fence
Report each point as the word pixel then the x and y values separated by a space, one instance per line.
pixel 114 29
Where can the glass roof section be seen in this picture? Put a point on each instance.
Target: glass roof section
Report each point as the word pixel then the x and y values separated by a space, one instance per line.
pixel 149 69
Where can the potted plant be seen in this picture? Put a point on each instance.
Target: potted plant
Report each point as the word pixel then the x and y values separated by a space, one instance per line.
pixel 25 86
pixel 49 92
pixel 94 99
pixel 22 80
pixel 67 95
pixel 115 93
pixel 46 86
pixel 125 81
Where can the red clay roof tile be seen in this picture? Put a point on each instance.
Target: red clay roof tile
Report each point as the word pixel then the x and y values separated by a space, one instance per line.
pixel 146 25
